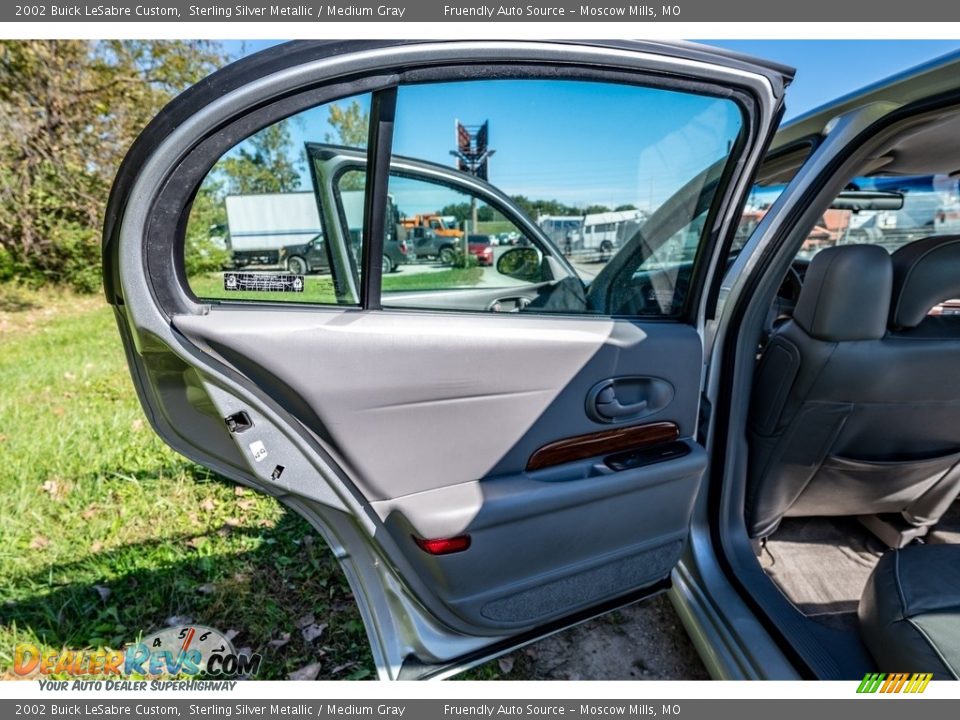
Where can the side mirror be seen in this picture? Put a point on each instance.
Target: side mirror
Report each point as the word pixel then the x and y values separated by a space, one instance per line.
pixel 521 263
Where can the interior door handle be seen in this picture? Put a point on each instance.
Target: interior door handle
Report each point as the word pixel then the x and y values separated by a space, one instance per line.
pixel 608 405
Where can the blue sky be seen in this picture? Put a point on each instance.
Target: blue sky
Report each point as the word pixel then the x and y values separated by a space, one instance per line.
pixel 591 144
pixel 826 69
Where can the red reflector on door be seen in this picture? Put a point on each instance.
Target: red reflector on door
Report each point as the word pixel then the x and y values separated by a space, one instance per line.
pixel 443 546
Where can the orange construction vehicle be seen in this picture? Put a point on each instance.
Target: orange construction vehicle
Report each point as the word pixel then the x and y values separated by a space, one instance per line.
pixel 441 226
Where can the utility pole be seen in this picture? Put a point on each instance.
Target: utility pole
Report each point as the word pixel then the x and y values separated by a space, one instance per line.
pixel 472 153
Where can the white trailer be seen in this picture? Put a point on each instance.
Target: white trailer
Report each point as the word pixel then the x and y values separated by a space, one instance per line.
pixel 260 224
pixel 596 232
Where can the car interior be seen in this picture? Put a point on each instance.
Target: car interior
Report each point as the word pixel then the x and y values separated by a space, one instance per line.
pixel 851 496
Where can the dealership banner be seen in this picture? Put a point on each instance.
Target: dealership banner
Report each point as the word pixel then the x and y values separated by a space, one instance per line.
pixel 479 709
pixel 473 11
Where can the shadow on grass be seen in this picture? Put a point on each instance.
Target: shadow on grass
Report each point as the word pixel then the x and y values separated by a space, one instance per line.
pixel 14 302
pixel 264 593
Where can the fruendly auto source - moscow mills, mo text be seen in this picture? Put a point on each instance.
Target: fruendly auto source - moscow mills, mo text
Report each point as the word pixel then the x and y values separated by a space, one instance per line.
pixel 337 10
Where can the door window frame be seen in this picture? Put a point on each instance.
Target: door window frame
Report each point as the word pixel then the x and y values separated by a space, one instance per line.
pixel 186 178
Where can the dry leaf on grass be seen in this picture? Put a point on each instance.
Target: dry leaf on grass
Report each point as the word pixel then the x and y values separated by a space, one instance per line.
pixel 307 672
pixel 280 641
pixel 305 620
pixel 56 489
pixel 312 632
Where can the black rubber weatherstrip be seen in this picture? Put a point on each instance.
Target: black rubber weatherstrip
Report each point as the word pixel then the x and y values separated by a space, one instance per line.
pixel 383 110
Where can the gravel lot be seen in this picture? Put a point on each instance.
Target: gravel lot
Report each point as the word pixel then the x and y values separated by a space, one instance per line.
pixel 644 641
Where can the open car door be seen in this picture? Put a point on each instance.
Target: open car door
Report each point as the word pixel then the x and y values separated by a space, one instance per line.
pixel 497 439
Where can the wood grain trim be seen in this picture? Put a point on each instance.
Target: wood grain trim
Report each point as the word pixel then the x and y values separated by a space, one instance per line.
pixel 602 443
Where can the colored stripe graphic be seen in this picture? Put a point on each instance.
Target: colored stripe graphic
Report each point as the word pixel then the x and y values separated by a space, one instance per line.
pixel 894 683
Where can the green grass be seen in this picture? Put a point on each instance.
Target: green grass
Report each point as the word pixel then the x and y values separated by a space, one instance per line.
pixel 107 533
pixel 442 279
pixel 493 227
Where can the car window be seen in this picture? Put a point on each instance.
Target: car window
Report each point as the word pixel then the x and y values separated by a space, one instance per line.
pixel 931 206
pixel 565 179
pixel 432 217
pixel 261 228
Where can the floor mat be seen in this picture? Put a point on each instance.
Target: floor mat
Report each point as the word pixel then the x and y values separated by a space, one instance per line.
pixel 822 564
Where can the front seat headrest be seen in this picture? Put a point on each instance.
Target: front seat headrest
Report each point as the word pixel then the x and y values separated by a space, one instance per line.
pixel 846 294
pixel 925 273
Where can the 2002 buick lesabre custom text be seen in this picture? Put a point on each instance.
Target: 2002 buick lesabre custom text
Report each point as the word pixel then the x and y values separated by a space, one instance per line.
pixel 113 11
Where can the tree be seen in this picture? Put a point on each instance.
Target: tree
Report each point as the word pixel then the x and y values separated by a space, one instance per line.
pixel 536 208
pixel 263 163
pixel 204 248
pixel 627 206
pixel 461 211
pixel 351 125
pixel 69 110
pixel 595 209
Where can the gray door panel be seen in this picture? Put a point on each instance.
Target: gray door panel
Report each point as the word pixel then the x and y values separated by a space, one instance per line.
pixel 418 401
pixel 546 547
pixel 434 417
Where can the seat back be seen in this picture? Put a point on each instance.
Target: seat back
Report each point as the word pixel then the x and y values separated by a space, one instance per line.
pixel 856 401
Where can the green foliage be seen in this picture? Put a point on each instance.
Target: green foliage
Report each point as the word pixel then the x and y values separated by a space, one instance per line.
pixel 74 257
pixel 522 263
pixel 71 109
pixel 107 532
pixel 461 211
pixel 263 163
pixel 536 208
pixel 351 124
pixel 462 261
pixel 594 210
pixel 7 266
pixel 351 127
pixel 204 247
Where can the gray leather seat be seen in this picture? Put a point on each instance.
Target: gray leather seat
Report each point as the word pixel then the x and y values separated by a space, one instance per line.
pixel 856 400
pixel 910 611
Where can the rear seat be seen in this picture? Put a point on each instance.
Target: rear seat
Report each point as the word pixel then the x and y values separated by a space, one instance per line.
pixel 910 611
